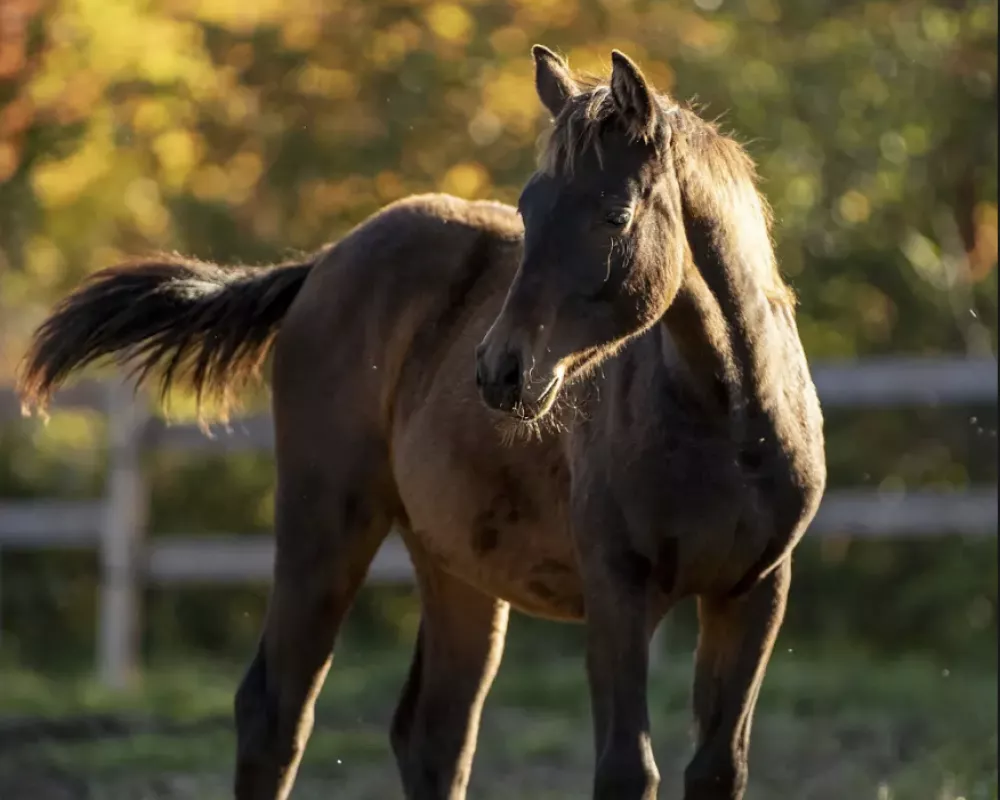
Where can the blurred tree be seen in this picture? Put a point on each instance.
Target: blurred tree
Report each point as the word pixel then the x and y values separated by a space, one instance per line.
pixel 238 130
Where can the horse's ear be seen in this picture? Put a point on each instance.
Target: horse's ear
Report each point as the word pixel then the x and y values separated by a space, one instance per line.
pixel 632 95
pixel 553 79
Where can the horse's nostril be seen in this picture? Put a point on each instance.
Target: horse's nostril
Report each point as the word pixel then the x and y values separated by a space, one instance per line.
pixel 499 380
pixel 509 374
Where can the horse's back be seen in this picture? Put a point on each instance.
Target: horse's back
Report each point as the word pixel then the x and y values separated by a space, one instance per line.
pixel 383 303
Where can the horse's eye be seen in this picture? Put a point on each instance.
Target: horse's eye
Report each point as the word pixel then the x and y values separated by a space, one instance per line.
pixel 620 217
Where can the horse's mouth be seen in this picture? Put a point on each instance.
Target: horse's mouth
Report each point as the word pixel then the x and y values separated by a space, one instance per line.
pixel 538 407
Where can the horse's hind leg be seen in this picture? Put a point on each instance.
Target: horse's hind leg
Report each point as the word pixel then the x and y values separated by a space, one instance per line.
pixel 734 645
pixel 331 517
pixel 458 651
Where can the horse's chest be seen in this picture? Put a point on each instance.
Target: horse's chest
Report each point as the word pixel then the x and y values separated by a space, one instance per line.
pixel 690 485
pixel 687 508
pixel 492 514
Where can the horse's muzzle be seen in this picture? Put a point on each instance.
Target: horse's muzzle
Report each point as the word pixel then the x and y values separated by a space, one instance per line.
pixel 499 379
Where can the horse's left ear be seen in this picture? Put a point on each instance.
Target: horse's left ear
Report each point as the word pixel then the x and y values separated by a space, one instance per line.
pixel 553 80
pixel 632 95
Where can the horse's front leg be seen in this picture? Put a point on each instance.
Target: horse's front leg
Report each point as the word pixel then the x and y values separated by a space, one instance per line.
pixel 616 585
pixel 735 641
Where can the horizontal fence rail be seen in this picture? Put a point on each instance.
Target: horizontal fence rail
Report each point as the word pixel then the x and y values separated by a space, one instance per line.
pixel 115 524
pixel 229 558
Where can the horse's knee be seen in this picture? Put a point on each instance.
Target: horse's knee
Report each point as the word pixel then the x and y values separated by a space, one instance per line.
pixel 425 769
pixel 400 734
pixel 428 751
pixel 252 709
pixel 715 776
pixel 401 727
pixel 625 776
pixel 399 738
pixel 257 759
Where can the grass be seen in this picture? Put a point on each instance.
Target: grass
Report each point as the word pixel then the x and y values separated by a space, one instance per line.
pixel 836 727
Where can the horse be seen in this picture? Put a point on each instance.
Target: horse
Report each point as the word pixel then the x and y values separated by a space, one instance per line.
pixel 587 408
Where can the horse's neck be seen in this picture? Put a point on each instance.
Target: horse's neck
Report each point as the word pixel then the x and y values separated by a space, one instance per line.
pixel 722 329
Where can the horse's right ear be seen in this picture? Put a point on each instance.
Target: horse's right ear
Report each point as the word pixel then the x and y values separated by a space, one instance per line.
pixel 553 79
pixel 632 95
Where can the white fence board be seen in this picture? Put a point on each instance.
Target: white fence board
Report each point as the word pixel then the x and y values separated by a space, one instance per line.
pixel 881 382
pixel 919 514
pixel 42 524
pixel 228 559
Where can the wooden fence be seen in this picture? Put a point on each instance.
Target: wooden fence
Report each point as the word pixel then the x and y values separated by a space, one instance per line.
pixel 115 524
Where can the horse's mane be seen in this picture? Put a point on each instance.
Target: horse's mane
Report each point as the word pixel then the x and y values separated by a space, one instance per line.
pixel 716 173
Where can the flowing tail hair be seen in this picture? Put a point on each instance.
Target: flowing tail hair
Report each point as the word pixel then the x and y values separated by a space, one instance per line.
pixel 208 325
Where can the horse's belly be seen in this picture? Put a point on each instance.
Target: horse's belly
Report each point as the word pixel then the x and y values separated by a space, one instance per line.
pixel 544 585
pixel 529 564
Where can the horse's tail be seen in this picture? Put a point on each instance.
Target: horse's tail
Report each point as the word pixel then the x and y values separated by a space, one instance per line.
pixel 211 326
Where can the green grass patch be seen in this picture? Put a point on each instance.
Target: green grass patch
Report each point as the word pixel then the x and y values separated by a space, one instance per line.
pixel 831 727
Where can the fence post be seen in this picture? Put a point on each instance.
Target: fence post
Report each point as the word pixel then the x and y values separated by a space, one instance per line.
pixel 121 539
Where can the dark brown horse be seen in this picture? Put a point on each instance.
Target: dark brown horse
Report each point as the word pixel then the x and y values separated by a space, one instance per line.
pixel 587 408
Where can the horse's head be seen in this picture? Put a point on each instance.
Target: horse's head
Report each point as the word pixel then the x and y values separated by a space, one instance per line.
pixel 604 243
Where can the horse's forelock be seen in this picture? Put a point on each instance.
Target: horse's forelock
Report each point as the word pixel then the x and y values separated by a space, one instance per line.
pixel 578 128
